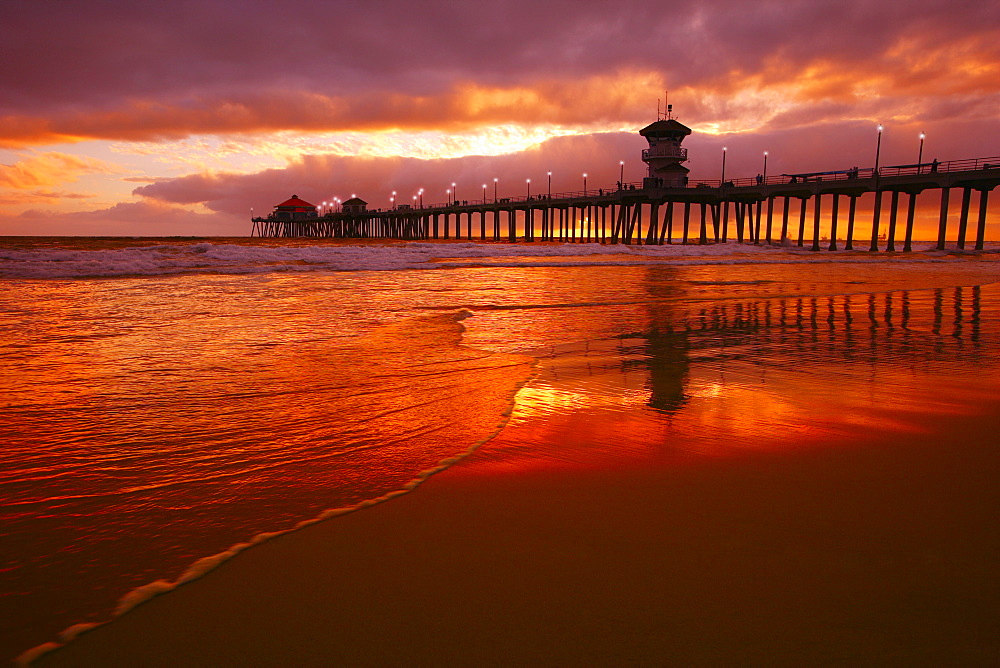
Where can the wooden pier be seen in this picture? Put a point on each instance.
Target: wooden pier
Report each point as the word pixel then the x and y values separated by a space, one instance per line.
pixel 758 210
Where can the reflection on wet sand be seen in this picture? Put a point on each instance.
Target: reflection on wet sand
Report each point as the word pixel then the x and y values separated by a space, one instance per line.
pixel 725 374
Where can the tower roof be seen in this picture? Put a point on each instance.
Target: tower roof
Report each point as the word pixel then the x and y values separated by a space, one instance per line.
pixel 665 127
pixel 355 200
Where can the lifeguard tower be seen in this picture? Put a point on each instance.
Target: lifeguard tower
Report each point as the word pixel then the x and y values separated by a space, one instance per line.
pixel 665 154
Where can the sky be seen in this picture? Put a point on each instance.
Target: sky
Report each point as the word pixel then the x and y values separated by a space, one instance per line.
pixel 178 118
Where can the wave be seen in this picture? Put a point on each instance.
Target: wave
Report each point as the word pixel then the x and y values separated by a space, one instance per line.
pixel 149 259
pixel 499 371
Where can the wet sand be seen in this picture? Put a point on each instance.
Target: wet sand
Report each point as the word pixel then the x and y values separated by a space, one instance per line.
pixel 877 549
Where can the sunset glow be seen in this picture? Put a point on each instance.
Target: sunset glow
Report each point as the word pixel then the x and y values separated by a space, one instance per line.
pixel 180 119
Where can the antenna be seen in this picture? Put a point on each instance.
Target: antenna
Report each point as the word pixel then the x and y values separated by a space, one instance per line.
pixel 657 108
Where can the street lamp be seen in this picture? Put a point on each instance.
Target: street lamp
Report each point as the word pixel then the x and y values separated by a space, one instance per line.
pixel 420 193
pixel 449 195
pixel 550 185
pixel 454 191
pixel 528 181
pixel 324 208
pixel 764 181
pixel 584 184
pixel 495 179
pixel 920 155
pixel 392 200
pixel 621 178
pixel 878 149
pixel 484 193
pixel 723 181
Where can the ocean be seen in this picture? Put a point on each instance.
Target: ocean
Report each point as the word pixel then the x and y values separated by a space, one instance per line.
pixel 169 402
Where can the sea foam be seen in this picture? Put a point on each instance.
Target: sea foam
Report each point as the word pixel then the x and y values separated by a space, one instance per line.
pixel 253 258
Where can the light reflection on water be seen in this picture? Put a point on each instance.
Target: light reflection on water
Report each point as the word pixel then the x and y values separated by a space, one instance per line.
pixel 715 377
pixel 151 422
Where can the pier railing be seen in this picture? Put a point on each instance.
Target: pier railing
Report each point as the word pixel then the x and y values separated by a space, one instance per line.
pixel 854 173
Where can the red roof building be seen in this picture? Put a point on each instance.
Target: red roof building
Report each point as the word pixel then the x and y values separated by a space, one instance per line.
pixel 294 208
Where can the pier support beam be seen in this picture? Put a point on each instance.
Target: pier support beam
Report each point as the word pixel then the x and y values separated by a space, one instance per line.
pixel 803 202
pixel 703 234
pixel 963 218
pixel 893 211
pixel 833 221
pixel 770 212
pixel 725 222
pixel 984 197
pixel 943 218
pixel 849 244
pixel 910 206
pixel 687 219
pixel 667 228
pixel 816 212
pixel 756 224
pixel 784 220
pixel 876 215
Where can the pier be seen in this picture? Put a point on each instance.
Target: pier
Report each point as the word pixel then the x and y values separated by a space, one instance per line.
pixel 667 207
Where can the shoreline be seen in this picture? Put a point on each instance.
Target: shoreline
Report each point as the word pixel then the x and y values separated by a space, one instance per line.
pixel 877 550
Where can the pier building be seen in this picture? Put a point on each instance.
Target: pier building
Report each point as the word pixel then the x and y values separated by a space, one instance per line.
pixel 294 208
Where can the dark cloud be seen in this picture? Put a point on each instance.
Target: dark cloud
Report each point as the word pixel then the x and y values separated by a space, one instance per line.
pixel 216 65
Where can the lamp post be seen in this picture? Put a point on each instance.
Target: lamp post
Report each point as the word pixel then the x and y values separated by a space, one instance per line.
pixel 764 182
pixel 449 195
pixel 550 185
pixel 420 193
pixel 323 209
pixel 621 177
pixel 723 181
pixel 585 184
pixel 878 149
pixel 495 179
pixel 454 192
pixel 920 154
pixel 484 193
pixel 392 200
pixel 528 181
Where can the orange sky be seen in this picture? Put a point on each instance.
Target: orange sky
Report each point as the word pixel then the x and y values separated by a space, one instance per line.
pixel 178 119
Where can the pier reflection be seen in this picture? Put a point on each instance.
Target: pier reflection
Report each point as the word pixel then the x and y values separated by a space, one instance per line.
pixel 785 369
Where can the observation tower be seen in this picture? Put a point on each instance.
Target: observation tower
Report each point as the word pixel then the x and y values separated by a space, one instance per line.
pixel 665 154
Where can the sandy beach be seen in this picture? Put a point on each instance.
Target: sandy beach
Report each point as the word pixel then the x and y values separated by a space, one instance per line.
pixel 791 463
pixel 880 550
